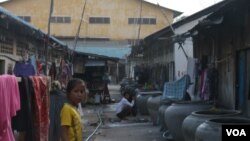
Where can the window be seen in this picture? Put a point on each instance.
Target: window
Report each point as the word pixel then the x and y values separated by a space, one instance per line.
pixel 6 45
pixel 21 47
pixel 67 20
pixel 145 20
pixel 130 20
pixel 61 19
pixel 152 21
pixel 25 18
pixel 141 20
pixel 99 20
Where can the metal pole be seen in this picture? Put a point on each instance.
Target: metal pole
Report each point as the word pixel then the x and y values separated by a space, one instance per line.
pixel 180 45
pixel 117 72
pixel 48 37
pixel 140 22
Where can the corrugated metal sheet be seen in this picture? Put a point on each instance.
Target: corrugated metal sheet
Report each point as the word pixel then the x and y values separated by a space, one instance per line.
pixel 113 49
pixel 94 63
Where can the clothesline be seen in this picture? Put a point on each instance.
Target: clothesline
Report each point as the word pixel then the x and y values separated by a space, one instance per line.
pixel 19 79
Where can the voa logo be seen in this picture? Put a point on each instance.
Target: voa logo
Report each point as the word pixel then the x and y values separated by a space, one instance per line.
pixel 236 132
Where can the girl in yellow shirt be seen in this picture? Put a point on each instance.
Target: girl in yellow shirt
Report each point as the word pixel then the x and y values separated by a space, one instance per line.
pixel 70 116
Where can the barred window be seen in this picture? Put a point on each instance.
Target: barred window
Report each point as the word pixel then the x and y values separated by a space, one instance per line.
pixel 60 19
pixel 21 47
pixel 150 21
pixel 99 20
pixel 6 45
pixel 25 18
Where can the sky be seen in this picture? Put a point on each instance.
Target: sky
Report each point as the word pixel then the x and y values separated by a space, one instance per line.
pixel 2 0
pixel 188 7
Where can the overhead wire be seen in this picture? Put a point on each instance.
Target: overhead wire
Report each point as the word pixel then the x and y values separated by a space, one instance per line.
pixel 166 17
pixel 136 27
pixel 140 22
pixel 78 30
pixel 172 29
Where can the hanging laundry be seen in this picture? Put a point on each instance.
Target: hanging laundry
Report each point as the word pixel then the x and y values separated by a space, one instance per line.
pixel 176 89
pixel 41 108
pixel 22 122
pixel 10 104
pixel 57 100
pixel 213 80
pixel 33 62
pixel 192 72
pixel 39 67
pixel 205 86
pixel 64 74
pixel 24 69
pixel 53 72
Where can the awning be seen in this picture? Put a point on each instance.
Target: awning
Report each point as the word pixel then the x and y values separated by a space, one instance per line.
pixel 94 63
pixel 113 49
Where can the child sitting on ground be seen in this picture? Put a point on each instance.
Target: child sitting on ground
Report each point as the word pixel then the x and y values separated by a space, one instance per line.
pixel 124 107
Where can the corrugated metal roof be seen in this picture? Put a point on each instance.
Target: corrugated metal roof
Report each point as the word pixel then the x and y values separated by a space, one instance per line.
pixel 58 41
pixel 94 63
pixel 167 30
pixel 115 49
pixel 120 53
pixel 6 12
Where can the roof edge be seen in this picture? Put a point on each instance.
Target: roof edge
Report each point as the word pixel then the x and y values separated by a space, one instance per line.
pixel 190 18
pixel 176 13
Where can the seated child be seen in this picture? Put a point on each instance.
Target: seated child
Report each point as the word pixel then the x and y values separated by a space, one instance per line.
pixel 124 107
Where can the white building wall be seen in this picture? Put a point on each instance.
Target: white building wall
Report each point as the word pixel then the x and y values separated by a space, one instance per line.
pixel 181 59
pixel 179 56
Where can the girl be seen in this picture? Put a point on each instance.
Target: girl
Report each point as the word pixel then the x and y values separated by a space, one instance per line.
pixel 70 117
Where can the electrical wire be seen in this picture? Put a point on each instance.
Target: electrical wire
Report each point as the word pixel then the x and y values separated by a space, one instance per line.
pixel 78 30
pixel 136 28
pixel 172 29
pixel 140 22
pixel 166 17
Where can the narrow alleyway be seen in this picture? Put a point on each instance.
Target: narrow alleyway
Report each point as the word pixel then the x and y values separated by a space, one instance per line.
pixel 135 128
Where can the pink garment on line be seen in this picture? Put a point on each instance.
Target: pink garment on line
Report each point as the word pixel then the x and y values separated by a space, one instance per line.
pixel 9 105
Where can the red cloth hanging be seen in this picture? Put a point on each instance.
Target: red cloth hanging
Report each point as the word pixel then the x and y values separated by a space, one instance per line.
pixel 41 108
